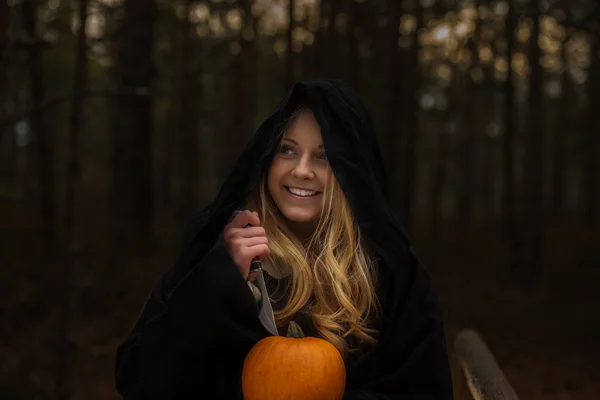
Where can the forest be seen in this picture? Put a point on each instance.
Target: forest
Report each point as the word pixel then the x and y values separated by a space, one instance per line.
pixel 121 118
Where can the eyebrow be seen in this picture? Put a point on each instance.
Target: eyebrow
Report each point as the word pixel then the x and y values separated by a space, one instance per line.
pixel 296 143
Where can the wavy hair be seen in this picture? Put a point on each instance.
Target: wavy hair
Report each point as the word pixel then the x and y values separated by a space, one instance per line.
pixel 333 277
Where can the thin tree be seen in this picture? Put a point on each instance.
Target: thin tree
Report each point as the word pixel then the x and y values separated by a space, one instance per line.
pixel 444 151
pixel 324 54
pixel 395 76
pixel 4 29
pixel 592 169
pixel 166 157
pixel 44 140
pixel 243 88
pixel 353 30
pixel 131 193
pixel 4 45
pixel 290 65
pixel 71 291
pixel 492 105
pixel 508 145
pixel 470 130
pixel 558 154
pixel 531 257
pixel 411 133
pixel 189 172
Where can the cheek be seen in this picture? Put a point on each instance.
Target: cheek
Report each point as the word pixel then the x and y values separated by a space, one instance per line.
pixel 326 177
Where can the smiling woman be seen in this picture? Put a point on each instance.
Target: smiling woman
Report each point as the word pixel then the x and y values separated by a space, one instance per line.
pixel 336 264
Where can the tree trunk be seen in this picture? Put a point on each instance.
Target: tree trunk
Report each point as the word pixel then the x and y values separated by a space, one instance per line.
pixel 470 130
pixel 290 66
pixel 326 51
pixel 167 169
pixel 303 63
pixel 509 216
pixel 131 189
pixel 45 151
pixel 530 268
pixel 488 186
pixel 320 39
pixel 7 153
pixel 558 154
pixel 71 291
pixel 353 61
pixel 242 91
pixel 189 171
pixel 394 139
pixel 492 104
pixel 592 182
pixel 440 178
pixel 4 31
pixel 337 43
pixel 412 108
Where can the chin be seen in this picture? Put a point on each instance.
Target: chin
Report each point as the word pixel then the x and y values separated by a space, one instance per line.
pixel 300 216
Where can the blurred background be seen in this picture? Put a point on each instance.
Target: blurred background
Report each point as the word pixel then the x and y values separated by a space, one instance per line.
pixel 119 118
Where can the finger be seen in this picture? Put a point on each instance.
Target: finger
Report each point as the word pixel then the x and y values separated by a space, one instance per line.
pixel 251 232
pixel 260 250
pixel 256 240
pixel 242 219
pixel 254 219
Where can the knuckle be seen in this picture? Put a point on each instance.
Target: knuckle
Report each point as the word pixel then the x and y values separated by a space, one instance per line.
pixel 229 234
pixel 241 249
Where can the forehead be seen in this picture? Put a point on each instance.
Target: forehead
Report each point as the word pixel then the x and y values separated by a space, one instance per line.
pixel 304 128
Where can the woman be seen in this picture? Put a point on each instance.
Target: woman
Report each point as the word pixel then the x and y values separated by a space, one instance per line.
pixel 312 184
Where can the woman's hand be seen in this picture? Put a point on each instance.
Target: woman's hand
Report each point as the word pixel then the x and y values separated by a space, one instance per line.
pixel 245 243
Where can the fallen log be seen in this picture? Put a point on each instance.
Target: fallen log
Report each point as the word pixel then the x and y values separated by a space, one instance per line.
pixel 477 374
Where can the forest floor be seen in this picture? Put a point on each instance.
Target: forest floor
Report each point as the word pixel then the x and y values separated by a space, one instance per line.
pixel 546 339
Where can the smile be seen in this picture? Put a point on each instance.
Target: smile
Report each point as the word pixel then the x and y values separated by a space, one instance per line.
pixel 302 192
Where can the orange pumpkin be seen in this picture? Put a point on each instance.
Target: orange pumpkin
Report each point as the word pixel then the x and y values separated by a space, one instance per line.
pixel 293 368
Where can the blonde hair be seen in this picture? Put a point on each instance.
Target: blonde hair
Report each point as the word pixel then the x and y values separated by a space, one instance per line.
pixel 332 275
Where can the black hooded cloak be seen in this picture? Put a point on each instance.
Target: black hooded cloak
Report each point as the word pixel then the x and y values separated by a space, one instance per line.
pixel 201 320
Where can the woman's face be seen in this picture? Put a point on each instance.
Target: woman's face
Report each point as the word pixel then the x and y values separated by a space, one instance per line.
pixel 300 171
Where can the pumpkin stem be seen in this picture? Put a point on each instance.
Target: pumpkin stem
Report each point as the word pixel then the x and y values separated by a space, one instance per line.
pixel 294 330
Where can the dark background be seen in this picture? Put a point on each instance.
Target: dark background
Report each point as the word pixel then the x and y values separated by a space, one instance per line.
pixel 118 118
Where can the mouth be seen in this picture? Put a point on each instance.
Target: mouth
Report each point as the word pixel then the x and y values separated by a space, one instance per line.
pixel 302 193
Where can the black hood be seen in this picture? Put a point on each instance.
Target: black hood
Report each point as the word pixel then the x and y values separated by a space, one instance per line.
pixel 201 320
pixel 355 157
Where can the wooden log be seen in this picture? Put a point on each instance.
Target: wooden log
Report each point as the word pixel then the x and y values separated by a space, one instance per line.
pixel 484 378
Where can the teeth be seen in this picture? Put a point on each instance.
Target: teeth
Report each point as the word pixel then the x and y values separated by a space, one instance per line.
pixel 300 192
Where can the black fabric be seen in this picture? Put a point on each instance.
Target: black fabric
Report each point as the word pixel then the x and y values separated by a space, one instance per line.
pixel 201 319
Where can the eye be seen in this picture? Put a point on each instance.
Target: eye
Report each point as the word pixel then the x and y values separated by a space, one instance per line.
pixel 286 150
pixel 322 156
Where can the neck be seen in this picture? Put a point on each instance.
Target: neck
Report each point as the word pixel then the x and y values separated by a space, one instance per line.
pixel 302 230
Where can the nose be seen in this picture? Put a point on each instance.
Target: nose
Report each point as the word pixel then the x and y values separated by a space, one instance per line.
pixel 303 170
